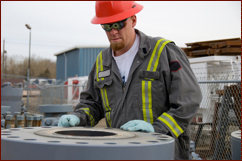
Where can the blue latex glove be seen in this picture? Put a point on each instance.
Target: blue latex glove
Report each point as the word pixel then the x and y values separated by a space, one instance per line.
pixel 138 125
pixel 68 120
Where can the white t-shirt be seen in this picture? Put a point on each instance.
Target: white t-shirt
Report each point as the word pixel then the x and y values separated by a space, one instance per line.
pixel 125 60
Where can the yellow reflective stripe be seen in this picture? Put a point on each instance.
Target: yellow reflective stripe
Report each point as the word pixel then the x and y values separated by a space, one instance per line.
pixel 103 97
pixel 150 102
pixel 106 97
pixel 97 67
pixel 159 53
pixel 143 101
pixel 101 63
pixel 92 120
pixel 171 123
pixel 109 119
pixel 147 101
pixel 153 54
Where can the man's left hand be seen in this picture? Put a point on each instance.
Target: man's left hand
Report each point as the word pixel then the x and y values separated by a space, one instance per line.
pixel 138 125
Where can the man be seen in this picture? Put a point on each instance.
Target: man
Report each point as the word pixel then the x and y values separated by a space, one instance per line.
pixel 139 83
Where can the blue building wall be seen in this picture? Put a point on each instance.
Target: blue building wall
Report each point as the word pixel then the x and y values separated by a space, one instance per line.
pixel 79 62
pixel 60 67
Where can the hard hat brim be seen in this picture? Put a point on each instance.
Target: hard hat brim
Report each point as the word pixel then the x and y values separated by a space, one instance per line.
pixel 117 17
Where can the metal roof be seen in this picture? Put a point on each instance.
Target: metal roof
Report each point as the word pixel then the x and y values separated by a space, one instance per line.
pixel 78 47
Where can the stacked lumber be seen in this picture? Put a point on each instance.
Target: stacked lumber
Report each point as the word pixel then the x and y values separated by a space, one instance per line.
pixel 214 47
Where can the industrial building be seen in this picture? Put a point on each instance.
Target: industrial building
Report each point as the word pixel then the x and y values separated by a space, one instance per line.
pixel 76 61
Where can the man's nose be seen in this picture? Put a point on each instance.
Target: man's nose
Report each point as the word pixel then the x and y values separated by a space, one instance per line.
pixel 113 31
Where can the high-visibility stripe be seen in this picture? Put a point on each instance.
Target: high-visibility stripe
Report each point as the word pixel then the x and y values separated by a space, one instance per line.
pixel 92 120
pixel 159 53
pixel 147 85
pixel 99 68
pixel 99 65
pixel 153 56
pixel 108 119
pixel 147 101
pixel 171 123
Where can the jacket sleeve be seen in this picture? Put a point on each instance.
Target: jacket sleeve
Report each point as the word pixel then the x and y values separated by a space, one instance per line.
pixel 183 92
pixel 89 109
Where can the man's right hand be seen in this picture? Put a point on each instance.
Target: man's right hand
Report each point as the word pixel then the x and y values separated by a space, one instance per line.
pixel 68 120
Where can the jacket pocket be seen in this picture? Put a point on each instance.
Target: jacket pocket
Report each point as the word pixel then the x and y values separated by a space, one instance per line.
pixel 101 84
pixel 149 74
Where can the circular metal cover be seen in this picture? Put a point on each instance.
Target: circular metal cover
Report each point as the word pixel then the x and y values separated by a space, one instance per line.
pixel 85 133
pixel 82 143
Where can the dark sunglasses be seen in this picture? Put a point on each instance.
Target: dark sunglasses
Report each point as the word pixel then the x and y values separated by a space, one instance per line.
pixel 116 26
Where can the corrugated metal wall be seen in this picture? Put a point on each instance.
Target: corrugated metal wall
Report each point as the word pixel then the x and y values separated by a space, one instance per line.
pixel 87 59
pixel 79 62
pixel 60 67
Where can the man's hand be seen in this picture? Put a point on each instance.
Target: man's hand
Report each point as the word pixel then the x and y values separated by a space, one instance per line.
pixel 138 125
pixel 68 120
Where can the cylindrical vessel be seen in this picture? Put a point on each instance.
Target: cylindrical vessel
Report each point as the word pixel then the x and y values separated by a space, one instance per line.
pixel 29 121
pixel 236 145
pixel 36 120
pixel 15 117
pixel 80 143
pixel 20 121
pixel 25 118
pixel 8 121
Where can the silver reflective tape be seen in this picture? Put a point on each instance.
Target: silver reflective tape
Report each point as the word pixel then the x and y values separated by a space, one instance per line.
pixel 103 74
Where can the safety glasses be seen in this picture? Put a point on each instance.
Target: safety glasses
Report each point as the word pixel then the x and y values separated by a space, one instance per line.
pixel 117 25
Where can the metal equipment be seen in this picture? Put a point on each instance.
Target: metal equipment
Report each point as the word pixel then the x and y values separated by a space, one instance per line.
pixel 236 145
pixel 84 143
pixel 11 96
pixel 52 113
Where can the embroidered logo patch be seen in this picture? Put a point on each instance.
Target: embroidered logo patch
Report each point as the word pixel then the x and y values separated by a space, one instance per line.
pixel 175 66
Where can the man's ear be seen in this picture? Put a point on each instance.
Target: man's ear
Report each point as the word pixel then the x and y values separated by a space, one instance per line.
pixel 134 20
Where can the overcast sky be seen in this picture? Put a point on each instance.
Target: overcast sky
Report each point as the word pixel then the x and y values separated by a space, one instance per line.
pixel 60 25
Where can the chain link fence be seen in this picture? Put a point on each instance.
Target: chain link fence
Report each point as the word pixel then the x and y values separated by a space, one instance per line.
pixel 218 116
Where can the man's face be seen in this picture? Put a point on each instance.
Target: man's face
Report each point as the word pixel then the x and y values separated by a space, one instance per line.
pixel 122 39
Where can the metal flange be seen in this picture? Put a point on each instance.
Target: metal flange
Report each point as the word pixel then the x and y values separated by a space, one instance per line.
pixel 82 143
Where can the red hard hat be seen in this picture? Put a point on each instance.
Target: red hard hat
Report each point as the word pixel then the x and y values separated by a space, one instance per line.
pixel 112 11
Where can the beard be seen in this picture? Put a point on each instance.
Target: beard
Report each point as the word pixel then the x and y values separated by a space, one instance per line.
pixel 117 45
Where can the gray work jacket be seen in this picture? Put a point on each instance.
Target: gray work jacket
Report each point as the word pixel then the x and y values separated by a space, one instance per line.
pixel 161 89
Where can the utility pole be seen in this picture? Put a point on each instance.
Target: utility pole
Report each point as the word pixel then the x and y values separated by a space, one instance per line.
pixel 4 51
pixel 28 27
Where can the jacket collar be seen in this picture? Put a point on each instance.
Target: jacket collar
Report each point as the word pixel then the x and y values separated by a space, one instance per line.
pixel 144 48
